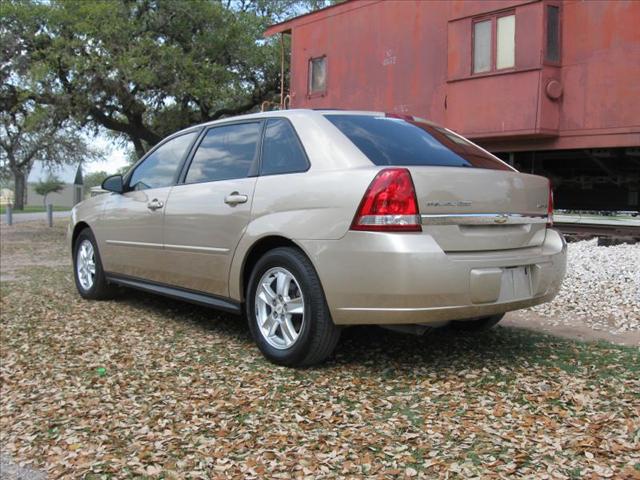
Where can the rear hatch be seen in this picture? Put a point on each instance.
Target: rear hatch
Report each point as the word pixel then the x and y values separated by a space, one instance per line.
pixel 467 209
pixel 469 199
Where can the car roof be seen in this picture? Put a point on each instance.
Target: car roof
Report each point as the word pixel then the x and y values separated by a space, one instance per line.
pixel 291 113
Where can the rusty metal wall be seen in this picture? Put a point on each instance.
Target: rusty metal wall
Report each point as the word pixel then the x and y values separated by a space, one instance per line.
pixel 415 57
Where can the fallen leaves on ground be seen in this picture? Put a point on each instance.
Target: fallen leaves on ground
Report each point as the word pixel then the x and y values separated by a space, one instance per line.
pixel 148 387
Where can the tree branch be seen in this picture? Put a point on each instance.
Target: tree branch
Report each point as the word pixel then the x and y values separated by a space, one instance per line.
pixel 132 130
pixel 257 98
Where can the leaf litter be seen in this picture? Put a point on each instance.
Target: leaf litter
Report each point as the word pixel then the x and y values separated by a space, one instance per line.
pixel 148 387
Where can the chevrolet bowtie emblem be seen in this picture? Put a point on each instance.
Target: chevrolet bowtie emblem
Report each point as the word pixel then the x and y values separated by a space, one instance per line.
pixel 502 218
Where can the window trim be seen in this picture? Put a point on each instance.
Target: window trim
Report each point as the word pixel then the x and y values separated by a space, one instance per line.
pixel 317 93
pixel 188 150
pixel 295 132
pixel 253 169
pixel 493 54
pixel 545 22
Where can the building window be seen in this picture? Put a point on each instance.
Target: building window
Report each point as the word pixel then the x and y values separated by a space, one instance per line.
pixel 482 46
pixel 494 43
pixel 317 75
pixel 506 42
pixel 552 50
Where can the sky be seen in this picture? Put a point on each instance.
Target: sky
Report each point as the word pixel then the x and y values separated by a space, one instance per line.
pixel 115 156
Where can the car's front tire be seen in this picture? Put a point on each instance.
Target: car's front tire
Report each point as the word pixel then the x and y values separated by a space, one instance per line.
pixel 87 268
pixel 287 313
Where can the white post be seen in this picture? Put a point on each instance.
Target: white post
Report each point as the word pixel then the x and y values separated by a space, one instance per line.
pixel 9 214
pixel 50 214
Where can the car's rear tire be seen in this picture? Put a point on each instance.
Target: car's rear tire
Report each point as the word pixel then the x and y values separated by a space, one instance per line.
pixel 287 312
pixel 87 268
pixel 478 325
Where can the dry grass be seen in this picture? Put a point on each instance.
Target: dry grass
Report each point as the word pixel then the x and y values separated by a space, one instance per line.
pixel 148 387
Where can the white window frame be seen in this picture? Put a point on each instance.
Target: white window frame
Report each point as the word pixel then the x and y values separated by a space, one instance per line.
pixel 493 18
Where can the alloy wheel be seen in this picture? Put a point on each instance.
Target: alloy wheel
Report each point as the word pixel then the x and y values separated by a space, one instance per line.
pixel 279 308
pixel 86 265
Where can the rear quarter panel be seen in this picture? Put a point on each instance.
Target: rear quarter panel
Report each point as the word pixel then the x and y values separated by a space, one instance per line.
pixel 315 205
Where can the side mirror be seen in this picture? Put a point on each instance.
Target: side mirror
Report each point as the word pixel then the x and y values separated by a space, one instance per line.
pixel 113 184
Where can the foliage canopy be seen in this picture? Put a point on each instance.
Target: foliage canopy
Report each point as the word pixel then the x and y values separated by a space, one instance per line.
pixel 143 68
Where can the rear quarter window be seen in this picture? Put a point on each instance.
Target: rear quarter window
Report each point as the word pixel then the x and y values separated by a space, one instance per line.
pixel 281 149
pixel 400 142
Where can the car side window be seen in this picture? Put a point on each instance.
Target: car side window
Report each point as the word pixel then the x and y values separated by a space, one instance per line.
pixel 225 153
pixel 159 168
pixel 281 149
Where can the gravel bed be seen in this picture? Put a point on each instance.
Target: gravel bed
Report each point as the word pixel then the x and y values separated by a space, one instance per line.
pixel 9 470
pixel 602 288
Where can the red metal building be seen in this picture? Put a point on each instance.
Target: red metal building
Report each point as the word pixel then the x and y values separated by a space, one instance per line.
pixel 551 86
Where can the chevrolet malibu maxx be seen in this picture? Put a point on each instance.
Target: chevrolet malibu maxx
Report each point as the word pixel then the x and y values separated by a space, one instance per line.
pixel 307 221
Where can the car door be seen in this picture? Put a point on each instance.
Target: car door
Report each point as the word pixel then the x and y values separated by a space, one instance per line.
pixel 208 211
pixel 131 226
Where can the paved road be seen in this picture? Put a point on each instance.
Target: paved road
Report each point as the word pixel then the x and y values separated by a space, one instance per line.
pixel 9 470
pixel 30 217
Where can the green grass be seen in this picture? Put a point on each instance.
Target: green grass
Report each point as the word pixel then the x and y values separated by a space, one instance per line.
pixel 33 209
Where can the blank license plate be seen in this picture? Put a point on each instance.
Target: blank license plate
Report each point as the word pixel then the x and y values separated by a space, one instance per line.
pixel 515 284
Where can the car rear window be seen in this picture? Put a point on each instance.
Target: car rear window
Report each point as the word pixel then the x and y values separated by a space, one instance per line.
pixel 388 140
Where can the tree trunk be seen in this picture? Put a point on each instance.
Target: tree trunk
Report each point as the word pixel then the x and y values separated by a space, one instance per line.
pixel 137 143
pixel 20 192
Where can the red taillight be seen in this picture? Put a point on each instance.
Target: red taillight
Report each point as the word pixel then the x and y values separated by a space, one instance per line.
pixel 389 204
pixel 550 207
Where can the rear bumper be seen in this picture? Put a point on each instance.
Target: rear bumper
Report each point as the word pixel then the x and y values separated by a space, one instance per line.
pixel 380 278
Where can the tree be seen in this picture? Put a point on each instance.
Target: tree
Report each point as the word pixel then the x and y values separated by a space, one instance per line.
pixel 29 133
pixel 124 170
pixel 94 179
pixel 30 130
pixel 145 68
pixel 51 184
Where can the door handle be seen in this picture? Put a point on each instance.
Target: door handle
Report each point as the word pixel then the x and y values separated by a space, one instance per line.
pixel 235 198
pixel 155 204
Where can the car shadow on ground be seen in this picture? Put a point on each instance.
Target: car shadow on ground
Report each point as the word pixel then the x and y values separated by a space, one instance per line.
pixel 439 348
pixel 374 347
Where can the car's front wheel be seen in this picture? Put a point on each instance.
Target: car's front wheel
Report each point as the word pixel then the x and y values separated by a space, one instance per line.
pixel 87 268
pixel 287 312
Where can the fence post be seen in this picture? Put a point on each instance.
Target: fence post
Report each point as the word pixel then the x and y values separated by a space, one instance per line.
pixel 9 214
pixel 50 214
